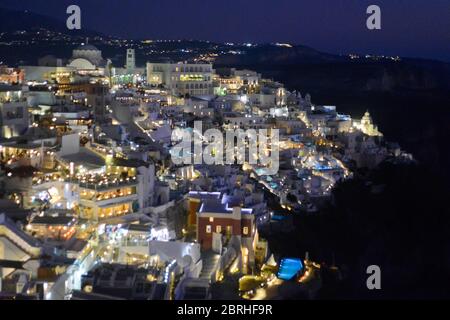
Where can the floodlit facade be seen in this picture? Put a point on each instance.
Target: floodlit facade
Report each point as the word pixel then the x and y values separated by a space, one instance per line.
pixel 219 221
pixel 11 75
pixel 182 78
pixel 14 119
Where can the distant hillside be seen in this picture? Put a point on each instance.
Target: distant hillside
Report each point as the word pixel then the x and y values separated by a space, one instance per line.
pixel 11 21
pixel 270 54
pixel 303 67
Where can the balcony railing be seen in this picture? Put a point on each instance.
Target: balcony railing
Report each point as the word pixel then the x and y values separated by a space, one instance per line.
pixel 105 185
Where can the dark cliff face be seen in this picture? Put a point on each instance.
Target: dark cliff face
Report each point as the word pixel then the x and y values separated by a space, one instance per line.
pixel 411 75
pixel 402 229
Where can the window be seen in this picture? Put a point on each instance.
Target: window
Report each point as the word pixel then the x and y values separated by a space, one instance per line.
pixel 245 231
pixel 218 229
pixel 208 228
pixel 211 219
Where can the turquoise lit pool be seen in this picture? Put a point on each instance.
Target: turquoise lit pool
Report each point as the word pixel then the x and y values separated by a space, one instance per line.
pixel 289 268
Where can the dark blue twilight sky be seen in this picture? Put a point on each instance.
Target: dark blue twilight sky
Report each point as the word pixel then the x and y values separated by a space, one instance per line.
pixel 415 28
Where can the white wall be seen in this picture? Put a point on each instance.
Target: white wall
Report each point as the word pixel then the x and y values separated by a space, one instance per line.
pixel 70 144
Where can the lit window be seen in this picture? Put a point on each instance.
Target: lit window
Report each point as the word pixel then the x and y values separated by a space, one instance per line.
pixel 208 229
pixel 218 229
pixel 211 219
pixel 245 230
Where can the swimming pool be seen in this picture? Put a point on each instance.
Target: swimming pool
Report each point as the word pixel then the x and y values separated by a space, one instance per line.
pixel 289 268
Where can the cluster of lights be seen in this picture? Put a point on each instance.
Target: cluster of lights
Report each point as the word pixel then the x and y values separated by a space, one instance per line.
pixel 114 213
pixel 104 179
pixel 167 271
pixel 53 177
pixel 112 195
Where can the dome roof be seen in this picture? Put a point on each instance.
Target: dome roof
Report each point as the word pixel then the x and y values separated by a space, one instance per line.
pixel 87 47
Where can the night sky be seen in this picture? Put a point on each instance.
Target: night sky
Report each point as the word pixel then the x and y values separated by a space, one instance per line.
pixel 413 28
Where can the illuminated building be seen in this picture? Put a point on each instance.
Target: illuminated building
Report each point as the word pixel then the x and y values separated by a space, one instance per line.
pixel 367 126
pixel 182 78
pixel 86 60
pixel 237 81
pixel 120 281
pixel 58 227
pixel 130 73
pixel 13 111
pixel 48 73
pixel 221 220
pixel 198 107
pixel 17 154
pixel 130 61
pixel 11 75
pixel 86 57
pixel 102 198
pixel 15 245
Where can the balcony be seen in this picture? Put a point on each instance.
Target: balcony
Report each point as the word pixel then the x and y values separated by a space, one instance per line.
pixel 116 200
pixel 100 184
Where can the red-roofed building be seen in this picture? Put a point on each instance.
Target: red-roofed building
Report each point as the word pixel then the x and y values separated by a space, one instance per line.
pixel 220 219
